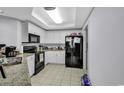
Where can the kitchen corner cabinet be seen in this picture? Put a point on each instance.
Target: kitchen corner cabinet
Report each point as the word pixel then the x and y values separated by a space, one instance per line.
pixel 55 37
pixel 28 27
pixel 57 57
pixel 31 64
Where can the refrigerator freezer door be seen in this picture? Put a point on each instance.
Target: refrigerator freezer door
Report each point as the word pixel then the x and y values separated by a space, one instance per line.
pixel 76 40
pixel 68 39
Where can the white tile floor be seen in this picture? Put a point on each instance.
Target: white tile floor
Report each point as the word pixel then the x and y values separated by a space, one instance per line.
pixel 57 75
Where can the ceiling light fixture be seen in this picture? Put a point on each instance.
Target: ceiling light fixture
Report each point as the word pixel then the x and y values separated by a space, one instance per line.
pixel 49 8
pixel 54 14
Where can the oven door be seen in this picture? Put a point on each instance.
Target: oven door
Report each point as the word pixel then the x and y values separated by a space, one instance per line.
pixel 41 57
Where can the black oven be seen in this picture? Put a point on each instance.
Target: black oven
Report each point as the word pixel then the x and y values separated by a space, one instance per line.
pixel 29 49
pixel 39 57
pixel 34 38
pixel 39 61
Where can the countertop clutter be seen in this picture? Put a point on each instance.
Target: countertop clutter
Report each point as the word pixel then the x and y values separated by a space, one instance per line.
pixel 53 48
pixel 17 69
pixel 17 75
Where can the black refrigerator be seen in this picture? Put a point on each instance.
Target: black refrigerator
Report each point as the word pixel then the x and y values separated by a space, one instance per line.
pixel 74 51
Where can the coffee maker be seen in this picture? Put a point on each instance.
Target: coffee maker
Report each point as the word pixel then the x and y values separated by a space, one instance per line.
pixel 2 49
pixel 10 51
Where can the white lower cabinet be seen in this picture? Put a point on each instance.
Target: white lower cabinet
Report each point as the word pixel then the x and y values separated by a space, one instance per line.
pixel 31 64
pixel 60 57
pixel 55 57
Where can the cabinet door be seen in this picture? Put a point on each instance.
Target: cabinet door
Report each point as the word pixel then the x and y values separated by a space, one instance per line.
pixel 47 57
pixel 31 64
pixel 49 38
pixel 24 32
pixel 60 37
pixel 50 57
pixel 42 37
pixel 60 57
pixel 55 57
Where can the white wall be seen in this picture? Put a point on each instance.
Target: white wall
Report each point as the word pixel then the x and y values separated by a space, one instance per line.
pixel 19 35
pixel 8 31
pixel 106 46
pixel 58 36
pixel 84 48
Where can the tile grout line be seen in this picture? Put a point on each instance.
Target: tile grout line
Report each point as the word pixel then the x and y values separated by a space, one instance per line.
pixel 64 71
pixel 63 77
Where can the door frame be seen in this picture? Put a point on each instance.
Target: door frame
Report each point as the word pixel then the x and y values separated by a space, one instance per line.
pixel 86 29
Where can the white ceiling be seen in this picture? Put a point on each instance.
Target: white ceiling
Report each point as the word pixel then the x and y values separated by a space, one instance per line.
pixel 73 17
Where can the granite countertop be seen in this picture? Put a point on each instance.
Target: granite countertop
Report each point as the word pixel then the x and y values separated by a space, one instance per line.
pixel 17 75
pixel 54 50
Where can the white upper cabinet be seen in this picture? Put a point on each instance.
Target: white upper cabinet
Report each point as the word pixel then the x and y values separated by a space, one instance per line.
pixel 33 29
pixel 53 37
pixel 37 31
pixel 24 32
pixel 45 36
pixel 58 36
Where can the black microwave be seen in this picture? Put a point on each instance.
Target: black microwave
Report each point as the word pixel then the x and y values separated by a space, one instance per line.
pixel 34 38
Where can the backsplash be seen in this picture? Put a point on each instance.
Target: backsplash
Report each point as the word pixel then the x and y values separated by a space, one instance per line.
pixel 47 46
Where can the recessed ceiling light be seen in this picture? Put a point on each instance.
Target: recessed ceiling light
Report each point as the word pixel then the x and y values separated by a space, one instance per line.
pixel 55 16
